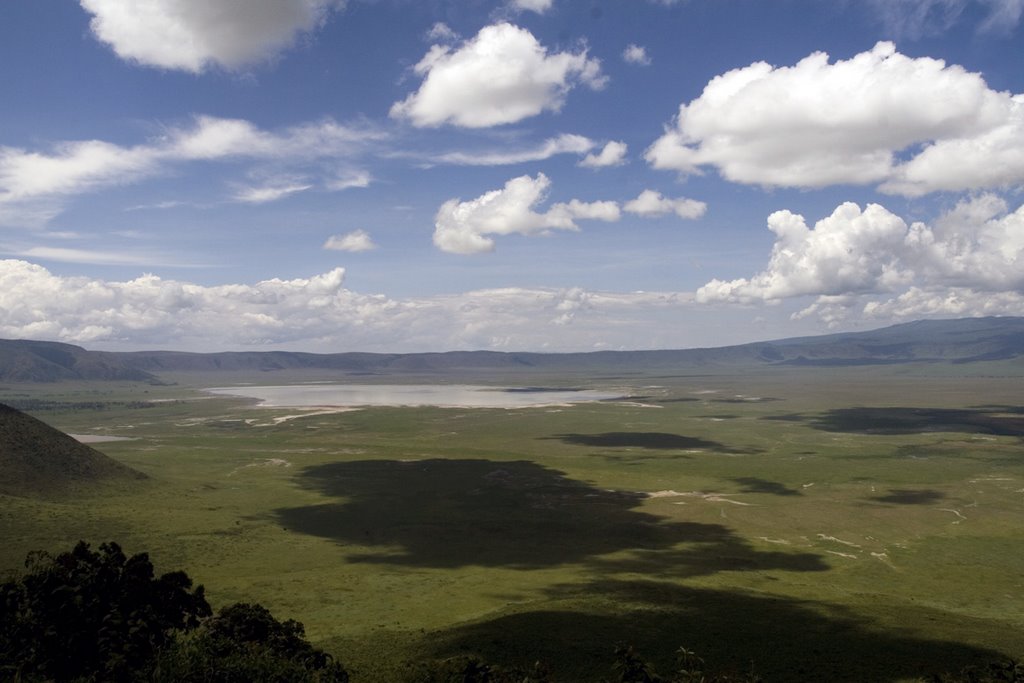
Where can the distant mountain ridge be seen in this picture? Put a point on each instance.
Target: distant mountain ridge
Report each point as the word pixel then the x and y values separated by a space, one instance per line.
pixel 964 340
pixel 23 360
pixel 37 459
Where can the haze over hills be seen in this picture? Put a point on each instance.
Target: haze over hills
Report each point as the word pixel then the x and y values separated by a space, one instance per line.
pixel 965 340
pixel 37 459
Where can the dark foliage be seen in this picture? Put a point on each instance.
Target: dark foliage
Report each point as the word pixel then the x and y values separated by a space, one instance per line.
pixel 244 643
pixel 467 669
pixel 92 615
pixel 994 672
pixel 99 615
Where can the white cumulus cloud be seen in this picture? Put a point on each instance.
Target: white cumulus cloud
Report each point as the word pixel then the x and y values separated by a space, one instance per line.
pixel 612 154
pixel 871 260
pixel 355 241
pixel 464 227
pixel 636 54
pixel 822 123
pixel 538 6
pixel 319 313
pixel 502 75
pixel 651 203
pixel 850 251
pixel 191 35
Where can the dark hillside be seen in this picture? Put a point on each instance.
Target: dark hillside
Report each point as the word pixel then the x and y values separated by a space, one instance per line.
pixel 37 459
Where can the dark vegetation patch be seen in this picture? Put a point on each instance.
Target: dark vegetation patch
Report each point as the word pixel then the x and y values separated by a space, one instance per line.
pixel 103 616
pixel 651 440
pixel 911 496
pixel 755 485
pixel 37 405
pixel 752 399
pixel 784 640
pixel 455 513
pixel 538 390
pixel 992 420
pixel 100 615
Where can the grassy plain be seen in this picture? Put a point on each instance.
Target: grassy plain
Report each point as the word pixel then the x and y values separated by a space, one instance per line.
pixel 858 524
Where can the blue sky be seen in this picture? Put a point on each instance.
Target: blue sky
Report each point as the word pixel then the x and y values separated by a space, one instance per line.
pixel 560 175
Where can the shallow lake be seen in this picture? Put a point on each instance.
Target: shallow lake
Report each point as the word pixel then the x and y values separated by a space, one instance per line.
pixel 441 395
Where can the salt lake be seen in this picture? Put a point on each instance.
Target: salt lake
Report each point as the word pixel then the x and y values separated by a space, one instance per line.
pixel 411 395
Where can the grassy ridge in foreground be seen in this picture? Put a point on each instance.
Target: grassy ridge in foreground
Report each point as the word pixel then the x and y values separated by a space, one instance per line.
pixel 36 459
pixel 781 531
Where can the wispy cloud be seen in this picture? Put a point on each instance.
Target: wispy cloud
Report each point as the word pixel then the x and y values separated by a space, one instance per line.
pixel 563 144
pixel 32 182
pixel 269 193
pixel 91 256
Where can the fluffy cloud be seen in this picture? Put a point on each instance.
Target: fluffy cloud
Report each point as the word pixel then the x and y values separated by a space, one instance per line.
pixel 320 313
pixel 502 75
pixel 28 177
pixel 992 158
pixel 538 6
pixel 463 227
pixel 636 54
pixel 563 144
pixel 651 204
pixel 355 241
pixel 192 35
pixel 819 123
pixel 913 304
pixel 850 251
pixel 872 260
pixel 612 154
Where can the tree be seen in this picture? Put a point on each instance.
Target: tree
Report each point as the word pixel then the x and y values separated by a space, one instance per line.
pixel 244 643
pixel 92 615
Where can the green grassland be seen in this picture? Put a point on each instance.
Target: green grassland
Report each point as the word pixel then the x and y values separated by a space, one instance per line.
pixel 859 524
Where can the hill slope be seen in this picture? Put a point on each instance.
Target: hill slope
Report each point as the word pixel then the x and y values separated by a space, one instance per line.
pixel 965 340
pixel 37 459
pixel 23 360
pixel 956 341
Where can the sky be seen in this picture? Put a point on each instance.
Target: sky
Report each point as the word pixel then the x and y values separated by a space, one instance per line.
pixel 514 175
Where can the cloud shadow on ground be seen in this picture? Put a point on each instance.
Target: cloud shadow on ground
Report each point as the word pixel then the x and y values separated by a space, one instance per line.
pixel 910 496
pixel 990 420
pixel 756 485
pixel 787 640
pixel 519 514
pixel 647 440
